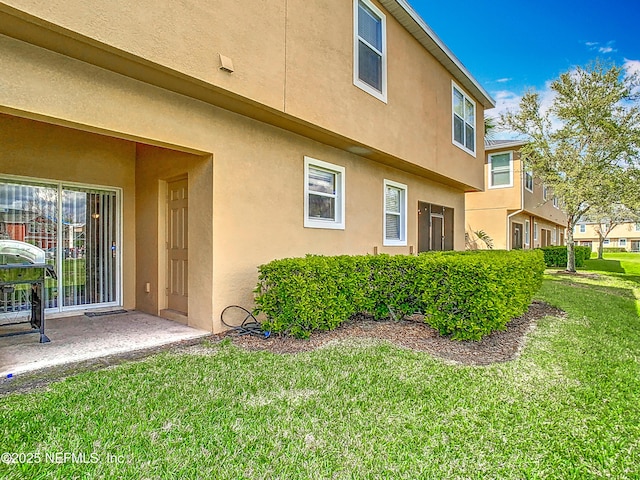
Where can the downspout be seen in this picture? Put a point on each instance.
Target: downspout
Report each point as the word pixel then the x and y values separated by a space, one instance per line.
pixel 508 242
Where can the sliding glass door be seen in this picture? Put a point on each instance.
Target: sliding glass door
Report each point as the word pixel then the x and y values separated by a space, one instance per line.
pixel 78 228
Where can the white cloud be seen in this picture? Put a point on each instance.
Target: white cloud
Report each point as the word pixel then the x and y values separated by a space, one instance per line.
pixel 503 80
pixel 605 48
pixel 632 66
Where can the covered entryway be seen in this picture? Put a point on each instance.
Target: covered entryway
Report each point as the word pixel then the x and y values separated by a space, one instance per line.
pixel 435 227
pixel 516 235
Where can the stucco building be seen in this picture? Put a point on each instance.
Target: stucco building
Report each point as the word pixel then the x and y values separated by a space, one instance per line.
pixel 515 210
pixel 186 143
pixel 626 236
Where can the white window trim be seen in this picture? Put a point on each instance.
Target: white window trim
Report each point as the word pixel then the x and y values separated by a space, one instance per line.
pixel 339 222
pixel 545 192
pixel 555 202
pixel 535 231
pixel 379 94
pixel 489 163
pixel 527 233
pixel 403 214
pixel 475 114
pixel 606 242
pixel 554 235
pixel 528 172
pixel 583 228
pixel 622 242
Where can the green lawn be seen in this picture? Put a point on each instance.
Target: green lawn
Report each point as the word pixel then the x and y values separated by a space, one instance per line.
pixel 569 407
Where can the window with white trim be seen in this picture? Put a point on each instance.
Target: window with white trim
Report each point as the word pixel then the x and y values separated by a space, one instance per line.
pixel 527 232
pixel 323 194
pixel 606 241
pixel 553 235
pixel 395 213
pixel 535 231
pixel 528 180
pixel 637 227
pixel 464 121
pixel 501 170
pixel 545 192
pixel 622 242
pixel 370 56
pixel 583 228
pixel 555 201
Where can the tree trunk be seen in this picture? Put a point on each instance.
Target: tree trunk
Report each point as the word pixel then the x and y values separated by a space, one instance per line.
pixel 571 253
pixel 601 249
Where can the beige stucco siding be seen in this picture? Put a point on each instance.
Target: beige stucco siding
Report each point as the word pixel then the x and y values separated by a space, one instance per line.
pixel 293 58
pixel 36 150
pixel 245 177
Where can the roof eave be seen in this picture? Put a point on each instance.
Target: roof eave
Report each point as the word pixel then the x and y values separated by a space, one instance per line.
pixel 414 24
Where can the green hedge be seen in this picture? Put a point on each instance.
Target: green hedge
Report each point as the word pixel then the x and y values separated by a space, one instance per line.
pixel 556 256
pixel 463 294
pixel 614 250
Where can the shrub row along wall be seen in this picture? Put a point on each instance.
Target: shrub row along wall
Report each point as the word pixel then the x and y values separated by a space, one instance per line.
pixel 557 256
pixel 463 294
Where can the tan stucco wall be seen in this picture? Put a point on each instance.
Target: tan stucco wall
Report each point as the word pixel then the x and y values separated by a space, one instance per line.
pixel 255 213
pixel 493 222
pixel 258 207
pixel 283 61
pixel 41 151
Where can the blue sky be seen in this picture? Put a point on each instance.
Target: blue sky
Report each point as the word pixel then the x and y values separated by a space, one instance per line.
pixel 514 46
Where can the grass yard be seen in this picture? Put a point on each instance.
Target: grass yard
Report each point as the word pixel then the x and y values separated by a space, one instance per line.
pixel 569 407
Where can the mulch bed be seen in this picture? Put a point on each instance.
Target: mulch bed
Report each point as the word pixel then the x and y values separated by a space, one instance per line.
pixel 412 333
pixel 409 332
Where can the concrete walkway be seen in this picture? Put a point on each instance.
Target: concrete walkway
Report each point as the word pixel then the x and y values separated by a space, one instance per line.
pixel 79 338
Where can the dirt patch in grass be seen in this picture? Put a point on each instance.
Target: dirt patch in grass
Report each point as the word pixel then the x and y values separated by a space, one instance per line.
pixel 413 333
pixel 594 276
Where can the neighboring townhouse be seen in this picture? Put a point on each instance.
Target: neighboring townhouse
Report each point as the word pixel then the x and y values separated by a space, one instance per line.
pixel 514 210
pixel 626 235
pixel 189 142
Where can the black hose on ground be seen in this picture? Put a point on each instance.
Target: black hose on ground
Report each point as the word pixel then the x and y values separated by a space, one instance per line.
pixel 248 326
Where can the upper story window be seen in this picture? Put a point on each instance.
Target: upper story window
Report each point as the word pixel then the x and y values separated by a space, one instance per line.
pixel 555 201
pixel 583 228
pixel 528 180
pixel 464 121
pixel 545 192
pixel 323 194
pixel 637 227
pixel 501 170
pixel 370 50
pixel 395 213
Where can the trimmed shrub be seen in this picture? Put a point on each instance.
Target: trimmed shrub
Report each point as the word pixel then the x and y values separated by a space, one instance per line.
pixel 556 256
pixel 614 249
pixel 463 294
pixel 473 295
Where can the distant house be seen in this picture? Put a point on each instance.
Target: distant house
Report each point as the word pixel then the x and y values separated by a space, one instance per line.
pixel 626 236
pixel 515 210
pixel 191 142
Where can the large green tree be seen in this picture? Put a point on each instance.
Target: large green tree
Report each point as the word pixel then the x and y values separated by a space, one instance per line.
pixel 586 143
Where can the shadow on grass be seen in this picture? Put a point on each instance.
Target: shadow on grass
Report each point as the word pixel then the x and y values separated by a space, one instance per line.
pixel 613 266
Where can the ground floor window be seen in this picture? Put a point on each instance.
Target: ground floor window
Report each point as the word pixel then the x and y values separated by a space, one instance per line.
pixel 77 227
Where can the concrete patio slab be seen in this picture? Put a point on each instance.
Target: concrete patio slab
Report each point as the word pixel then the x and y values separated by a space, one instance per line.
pixel 79 338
